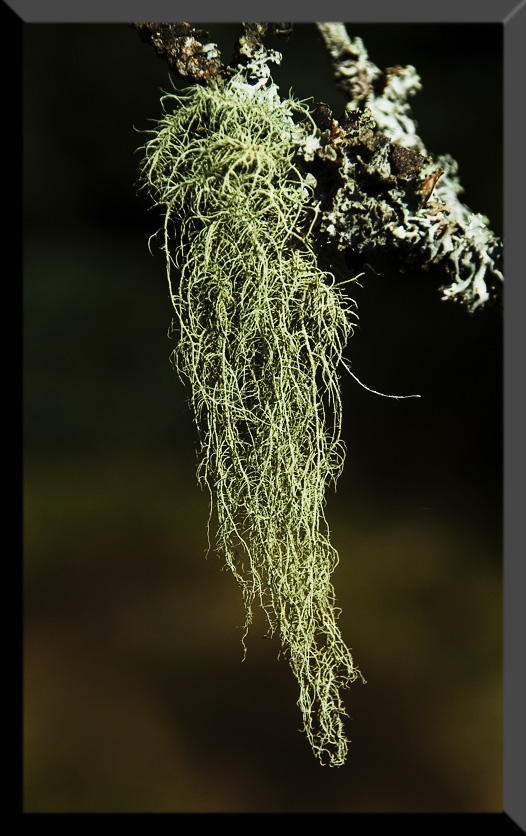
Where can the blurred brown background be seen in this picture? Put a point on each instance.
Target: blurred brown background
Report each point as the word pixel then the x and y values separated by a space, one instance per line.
pixel 136 698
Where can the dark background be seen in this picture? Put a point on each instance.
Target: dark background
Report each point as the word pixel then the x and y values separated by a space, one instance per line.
pixel 136 699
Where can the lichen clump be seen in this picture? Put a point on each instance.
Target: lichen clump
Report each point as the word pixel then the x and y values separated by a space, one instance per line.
pixel 260 334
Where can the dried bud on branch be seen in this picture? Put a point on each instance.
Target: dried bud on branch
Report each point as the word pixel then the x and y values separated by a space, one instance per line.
pixel 185 48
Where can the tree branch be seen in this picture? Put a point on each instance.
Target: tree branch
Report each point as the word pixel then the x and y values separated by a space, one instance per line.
pixel 392 193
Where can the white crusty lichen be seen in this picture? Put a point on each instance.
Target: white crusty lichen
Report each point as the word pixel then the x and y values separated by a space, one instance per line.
pixel 393 194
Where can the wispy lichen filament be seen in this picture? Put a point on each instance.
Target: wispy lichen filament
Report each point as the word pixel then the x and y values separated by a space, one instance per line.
pixel 260 335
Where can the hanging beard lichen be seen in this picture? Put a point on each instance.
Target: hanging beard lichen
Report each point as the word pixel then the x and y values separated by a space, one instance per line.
pixel 260 334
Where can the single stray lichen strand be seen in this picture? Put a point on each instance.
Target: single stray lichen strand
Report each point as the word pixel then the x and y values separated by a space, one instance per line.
pixel 260 334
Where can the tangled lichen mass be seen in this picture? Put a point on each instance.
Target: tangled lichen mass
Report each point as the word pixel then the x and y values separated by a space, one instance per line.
pixel 260 335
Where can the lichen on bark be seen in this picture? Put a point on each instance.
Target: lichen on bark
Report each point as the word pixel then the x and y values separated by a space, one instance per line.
pixel 392 193
pixel 253 187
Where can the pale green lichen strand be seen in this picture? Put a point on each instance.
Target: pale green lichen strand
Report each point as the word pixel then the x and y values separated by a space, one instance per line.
pixel 260 334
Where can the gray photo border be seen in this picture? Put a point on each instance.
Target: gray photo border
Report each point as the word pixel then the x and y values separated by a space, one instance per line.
pixel 512 15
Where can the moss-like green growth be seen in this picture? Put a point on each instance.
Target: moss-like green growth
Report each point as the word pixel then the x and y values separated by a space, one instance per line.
pixel 261 330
